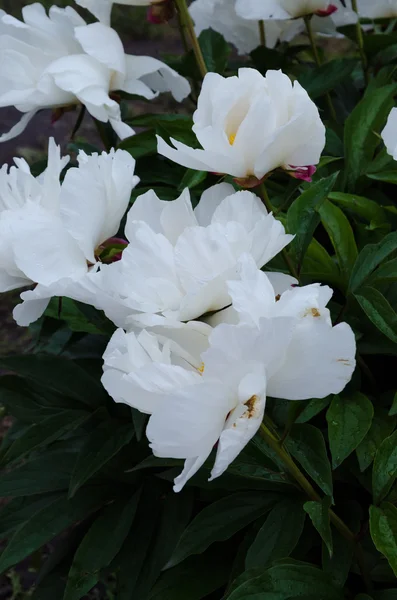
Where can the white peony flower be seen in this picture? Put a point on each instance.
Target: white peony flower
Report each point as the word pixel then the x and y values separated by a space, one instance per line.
pixel 57 60
pixel 377 9
pixel 329 350
pixel 389 134
pixel 49 231
pixel 250 125
pixel 101 9
pixel 178 259
pixel 344 15
pixel 221 16
pixel 283 9
pixel 197 398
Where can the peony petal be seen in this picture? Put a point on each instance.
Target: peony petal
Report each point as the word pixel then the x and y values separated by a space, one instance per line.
pixel 189 422
pixel 43 250
pixel 389 134
pixel 18 127
pixel 240 429
pixel 104 183
pixel 319 361
pixel 103 44
pixel 192 465
pixel 210 199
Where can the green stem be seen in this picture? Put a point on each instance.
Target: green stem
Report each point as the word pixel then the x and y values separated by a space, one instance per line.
pixel 262 192
pixel 183 32
pixel 102 134
pixel 275 444
pixel 318 62
pixel 262 33
pixel 360 42
pixel 187 25
pixel 78 123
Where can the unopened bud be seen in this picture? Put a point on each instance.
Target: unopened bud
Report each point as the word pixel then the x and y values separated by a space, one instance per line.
pixel 160 12
pixel 328 11
pixel 303 173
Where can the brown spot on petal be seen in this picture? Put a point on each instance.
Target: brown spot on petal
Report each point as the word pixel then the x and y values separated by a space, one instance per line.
pixel 345 361
pixel 314 312
pixel 251 407
pixel 278 297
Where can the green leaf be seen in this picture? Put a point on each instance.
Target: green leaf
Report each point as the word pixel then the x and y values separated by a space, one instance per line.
pixel 101 445
pixel 59 375
pixel 349 419
pixel 68 311
pixel 319 514
pixel 191 179
pixel 27 403
pixel 312 408
pixel 289 581
pixel 307 446
pixel 386 176
pixel 393 409
pixel 174 518
pixel 46 524
pixel 93 554
pixel 268 58
pixel 384 472
pixel 45 432
pixel 385 274
pixel 180 130
pixel 321 80
pixel 341 236
pixel 369 258
pixel 215 50
pixel 303 216
pixel 51 587
pixel 379 311
pixel 95 317
pixel 361 127
pixel 383 527
pixel 47 473
pixel 19 510
pixel 194 579
pixel 220 521
pixel 279 534
pixel 319 265
pixel 140 421
pixel 338 565
pixel 140 144
pixel 136 549
pixel 360 206
pixel 382 426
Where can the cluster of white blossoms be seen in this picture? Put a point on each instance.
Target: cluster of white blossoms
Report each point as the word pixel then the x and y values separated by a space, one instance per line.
pixel 57 60
pixel 204 334
pixel 237 20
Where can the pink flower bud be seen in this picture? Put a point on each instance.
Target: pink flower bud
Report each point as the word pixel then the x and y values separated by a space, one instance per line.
pixel 303 173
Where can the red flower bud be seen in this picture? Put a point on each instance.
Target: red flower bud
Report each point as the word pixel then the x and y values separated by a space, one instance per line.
pixel 160 12
pixel 328 11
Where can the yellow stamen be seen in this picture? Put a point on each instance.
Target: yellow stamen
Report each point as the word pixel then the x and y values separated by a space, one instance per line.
pixel 201 368
pixel 232 137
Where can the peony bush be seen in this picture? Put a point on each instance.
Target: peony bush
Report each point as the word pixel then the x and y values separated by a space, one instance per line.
pixel 206 408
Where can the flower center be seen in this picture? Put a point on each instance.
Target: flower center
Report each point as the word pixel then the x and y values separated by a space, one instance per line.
pixel 200 369
pixel 232 137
